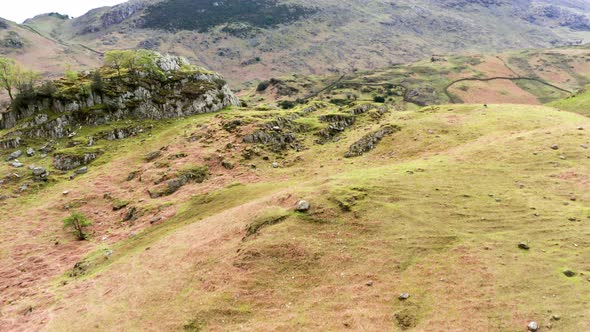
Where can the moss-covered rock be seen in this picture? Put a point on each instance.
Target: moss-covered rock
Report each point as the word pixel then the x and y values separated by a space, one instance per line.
pixel 70 159
pixel 173 89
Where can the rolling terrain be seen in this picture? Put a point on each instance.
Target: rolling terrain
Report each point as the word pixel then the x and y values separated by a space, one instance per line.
pixel 437 202
pixel 376 166
pixel 521 77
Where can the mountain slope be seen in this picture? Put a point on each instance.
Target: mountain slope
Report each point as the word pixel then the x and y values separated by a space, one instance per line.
pixel 404 217
pixel 37 50
pixel 265 38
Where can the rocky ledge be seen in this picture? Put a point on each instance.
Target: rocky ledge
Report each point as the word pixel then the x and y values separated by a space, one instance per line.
pixel 172 88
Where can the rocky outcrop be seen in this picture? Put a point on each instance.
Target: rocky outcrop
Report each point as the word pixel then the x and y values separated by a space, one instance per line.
pixel 369 141
pixel 120 13
pixel 541 13
pixel 10 143
pixel 280 133
pixel 66 161
pixel 275 140
pixel 337 124
pixel 195 175
pixel 361 109
pixel 13 40
pixel 177 92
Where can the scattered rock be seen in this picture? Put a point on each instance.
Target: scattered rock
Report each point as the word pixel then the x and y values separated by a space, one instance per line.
pixel 47 148
pixel 82 170
pixel 131 214
pixel 302 206
pixel 66 161
pixel 155 220
pixel 404 296
pixel 555 147
pixel 30 152
pixel 16 164
pixel 533 326
pixel 569 273
pixel 153 155
pixel 369 283
pixel 65 193
pixel 15 155
pixel 118 205
pixel 40 173
pixel 132 176
pixel 555 317
pixel 170 187
pixel 523 246
pixel 227 165
pixel 584 146
pixel 275 165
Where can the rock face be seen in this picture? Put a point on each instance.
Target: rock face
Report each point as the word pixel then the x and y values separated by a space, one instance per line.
pixel 175 92
pixel 10 143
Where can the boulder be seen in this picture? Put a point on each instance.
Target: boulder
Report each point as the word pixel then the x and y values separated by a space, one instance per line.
pixel 533 326
pixel 30 152
pixel 153 155
pixel 302 206
pixel 16 164
pixel 38 171
pixel 82 170
pixel 15 155
pixel 40 174
pixel 569 273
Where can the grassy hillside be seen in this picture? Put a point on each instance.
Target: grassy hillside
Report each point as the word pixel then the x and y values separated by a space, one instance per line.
pixel 522 77
pixel 436 209
pixel 578 103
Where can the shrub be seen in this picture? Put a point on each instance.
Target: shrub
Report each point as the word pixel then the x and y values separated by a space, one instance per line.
pixel 286 104
pixel 47 89
pixel 379 99
pixel 77 222
pixel 97 84
pixel 262 86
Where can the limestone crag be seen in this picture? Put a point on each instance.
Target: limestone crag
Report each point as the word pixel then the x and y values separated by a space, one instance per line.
pixel 177 92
